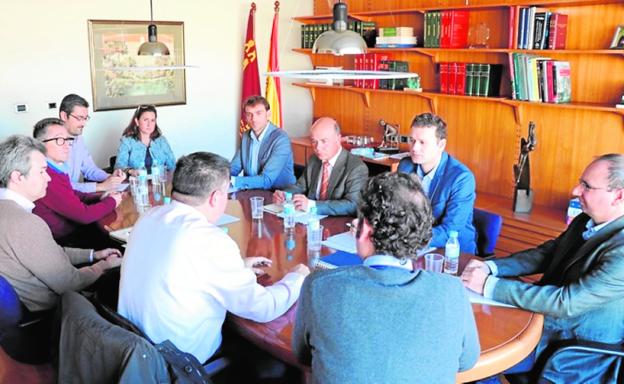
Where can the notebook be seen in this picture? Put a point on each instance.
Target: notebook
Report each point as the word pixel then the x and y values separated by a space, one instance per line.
pixel 337 259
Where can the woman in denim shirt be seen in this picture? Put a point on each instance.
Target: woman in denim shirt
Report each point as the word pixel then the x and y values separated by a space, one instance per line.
pixel 142 143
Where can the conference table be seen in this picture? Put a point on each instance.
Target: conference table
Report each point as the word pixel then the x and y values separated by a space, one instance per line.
pixel 506 335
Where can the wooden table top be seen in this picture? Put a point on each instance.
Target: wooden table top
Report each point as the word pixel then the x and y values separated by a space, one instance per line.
pixel 507 335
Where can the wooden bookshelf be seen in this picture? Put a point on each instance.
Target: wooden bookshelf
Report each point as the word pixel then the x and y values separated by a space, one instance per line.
pixel 484 133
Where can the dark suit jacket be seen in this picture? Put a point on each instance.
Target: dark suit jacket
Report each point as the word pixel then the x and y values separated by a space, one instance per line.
pixel 345 184
pixel 582 291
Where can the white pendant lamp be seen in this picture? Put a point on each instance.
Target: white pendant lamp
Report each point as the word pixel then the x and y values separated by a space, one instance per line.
pixel 339 41
pixel 152 47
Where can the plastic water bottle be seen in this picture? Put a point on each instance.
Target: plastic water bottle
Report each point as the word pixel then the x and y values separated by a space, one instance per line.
pixel 142 199
pixel 289 215
pixel 451 254
pixel 314 231
pixel 158 187
pixel 155 172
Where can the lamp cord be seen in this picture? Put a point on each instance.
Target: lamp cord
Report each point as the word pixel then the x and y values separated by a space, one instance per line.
pixel 151 12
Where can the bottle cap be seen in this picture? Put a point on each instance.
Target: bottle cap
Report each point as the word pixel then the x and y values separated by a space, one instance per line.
pixel 453 233
pixel 167 200
pixel 313 209
pixel 288 195
pixel 289 209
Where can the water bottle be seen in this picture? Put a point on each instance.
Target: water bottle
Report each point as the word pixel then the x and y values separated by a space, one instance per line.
pixel 158 188
pixel 289 215
pixel 155 172
pixel 142 200
pixel 314 230
pixel 451 254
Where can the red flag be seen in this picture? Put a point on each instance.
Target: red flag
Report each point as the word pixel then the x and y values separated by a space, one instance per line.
pixel 273 87
pixel 251 77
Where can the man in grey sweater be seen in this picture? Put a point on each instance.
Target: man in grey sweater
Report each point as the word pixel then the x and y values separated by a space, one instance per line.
pixel 38 269
pixel 384 321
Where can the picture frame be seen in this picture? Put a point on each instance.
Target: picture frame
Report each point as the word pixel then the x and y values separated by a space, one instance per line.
pixel 618 38
pixel 121 79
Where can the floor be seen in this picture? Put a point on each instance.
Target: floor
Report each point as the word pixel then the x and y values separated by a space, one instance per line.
pixel 12 371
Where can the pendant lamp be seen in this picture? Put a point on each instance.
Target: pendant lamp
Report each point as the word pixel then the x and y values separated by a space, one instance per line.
pixel 152 47
pixel 339 41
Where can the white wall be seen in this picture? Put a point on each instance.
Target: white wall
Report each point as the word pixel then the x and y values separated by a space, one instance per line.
pixel 46 56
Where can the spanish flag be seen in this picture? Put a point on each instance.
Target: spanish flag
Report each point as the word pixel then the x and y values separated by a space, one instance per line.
pixel 251 76
pixel 273 87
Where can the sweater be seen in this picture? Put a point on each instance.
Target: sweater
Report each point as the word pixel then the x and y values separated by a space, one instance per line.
pixel 39 269
pixel 365 325
pixel 65 209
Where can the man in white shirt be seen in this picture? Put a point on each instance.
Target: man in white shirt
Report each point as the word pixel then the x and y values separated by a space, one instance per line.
pixel 182 272
pixel 333 177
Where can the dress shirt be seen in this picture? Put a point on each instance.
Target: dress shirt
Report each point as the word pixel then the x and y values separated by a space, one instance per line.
pixel 181 273
pixel 81 163
pixel 7 194
pixel 332 162
pixel 255 149
pixel 388 261
pixel 490 282
pixel 425 180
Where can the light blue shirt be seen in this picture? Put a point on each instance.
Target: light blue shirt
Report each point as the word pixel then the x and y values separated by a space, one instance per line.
pixel 425 180
pixel 388 261
pixel 255 149
pixel 80 163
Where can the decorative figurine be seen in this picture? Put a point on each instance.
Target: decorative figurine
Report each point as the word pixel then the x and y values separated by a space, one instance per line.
pixel 523 195
pixel 390 142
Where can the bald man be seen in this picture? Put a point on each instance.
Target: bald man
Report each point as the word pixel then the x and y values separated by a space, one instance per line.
pixel 334 178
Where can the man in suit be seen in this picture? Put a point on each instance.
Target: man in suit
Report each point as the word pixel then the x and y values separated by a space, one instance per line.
pixel 265 153
pixel 333 177
pixel 448 183
pixel 581 292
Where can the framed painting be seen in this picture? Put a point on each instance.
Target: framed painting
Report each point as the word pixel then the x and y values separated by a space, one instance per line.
pixel 121 79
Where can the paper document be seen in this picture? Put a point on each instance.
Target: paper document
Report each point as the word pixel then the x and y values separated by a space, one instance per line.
pixel 341 242
pixel 227 219
pixel 121 234
pixel 399 156
pixel 122 187
pixel 301 217
pixel 479 299
pixel 273 208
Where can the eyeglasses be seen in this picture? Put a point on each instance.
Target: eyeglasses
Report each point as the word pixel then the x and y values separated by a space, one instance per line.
pixel 60 141
pixel 80 118
pixel 587 188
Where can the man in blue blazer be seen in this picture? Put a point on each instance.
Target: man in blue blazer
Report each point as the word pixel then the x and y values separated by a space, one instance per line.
pixel 265 153
pixel 448 183
pixel 581 293
pixel 334 178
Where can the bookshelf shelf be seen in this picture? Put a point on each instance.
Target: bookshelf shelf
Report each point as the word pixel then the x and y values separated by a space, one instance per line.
pixel 434 52
pixel 368 15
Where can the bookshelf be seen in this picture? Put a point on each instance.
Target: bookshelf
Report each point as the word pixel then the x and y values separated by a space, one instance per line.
pixel 484 132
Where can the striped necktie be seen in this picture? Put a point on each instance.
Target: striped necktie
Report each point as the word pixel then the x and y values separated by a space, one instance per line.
pixel 324 181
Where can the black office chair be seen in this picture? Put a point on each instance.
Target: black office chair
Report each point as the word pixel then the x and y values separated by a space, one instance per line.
pixel 488 226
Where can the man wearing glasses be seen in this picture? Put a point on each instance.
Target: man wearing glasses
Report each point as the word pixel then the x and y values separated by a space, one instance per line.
pixel 74 111
pixel 71 215
pixel 581 292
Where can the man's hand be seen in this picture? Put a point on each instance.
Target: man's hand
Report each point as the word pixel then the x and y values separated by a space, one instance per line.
pixel 105 253
pixel 301 269
pixel 255 262
pixel 474 275
pixel 301 202
pixel 279 196
pixel 118 196
pixel 109 184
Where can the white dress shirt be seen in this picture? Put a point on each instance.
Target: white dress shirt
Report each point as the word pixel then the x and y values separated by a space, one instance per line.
pixel 180 274
pixel 332 162
pixel 7 194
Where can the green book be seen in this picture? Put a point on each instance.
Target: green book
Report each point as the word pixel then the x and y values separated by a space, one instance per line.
pixel 428 29
pixel 469 78
pixel 476 79
pixel 438 29
pixel 484 83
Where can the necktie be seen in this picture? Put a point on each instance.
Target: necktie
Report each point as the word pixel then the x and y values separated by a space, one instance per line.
pixel 324 181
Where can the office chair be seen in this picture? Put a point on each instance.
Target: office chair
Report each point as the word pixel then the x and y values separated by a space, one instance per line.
pixel 10 307
pixel 488 226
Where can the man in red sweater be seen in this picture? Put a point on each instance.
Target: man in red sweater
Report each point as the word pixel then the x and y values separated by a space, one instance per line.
pixel 71 215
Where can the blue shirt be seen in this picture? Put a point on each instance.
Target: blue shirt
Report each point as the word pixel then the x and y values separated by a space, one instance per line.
pixel 425 180
pixel 377 261
pixel 255 149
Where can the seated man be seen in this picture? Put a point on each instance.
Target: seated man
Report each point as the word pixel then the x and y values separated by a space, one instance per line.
pixel 384 322
pixel 69 213
pixel 333 177
pixel 448 183
pixel 265 153
pixel 74 111
pixel 581 292
pixel 181 272
pixel 30 259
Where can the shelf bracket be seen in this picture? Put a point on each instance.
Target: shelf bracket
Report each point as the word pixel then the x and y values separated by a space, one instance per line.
pixel 366 98
pixel 313 93
pixel 517 109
